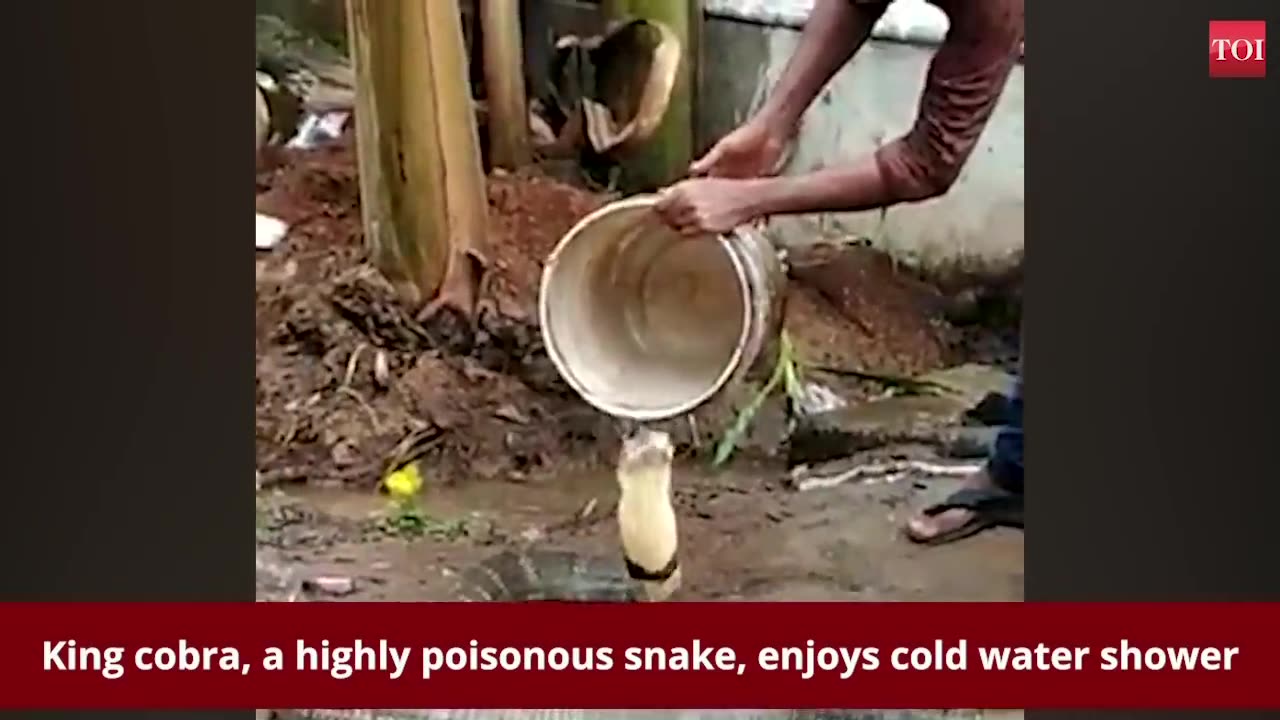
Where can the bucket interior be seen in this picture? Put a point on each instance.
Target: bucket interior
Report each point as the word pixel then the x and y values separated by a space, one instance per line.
pixel 642 322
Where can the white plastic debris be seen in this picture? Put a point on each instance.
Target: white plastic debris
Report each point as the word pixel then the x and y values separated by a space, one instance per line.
pixel 317 129
pixel 818 399
pixel 266 82
pixel 270 231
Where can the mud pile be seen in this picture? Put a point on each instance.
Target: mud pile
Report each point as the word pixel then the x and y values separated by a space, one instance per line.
pixel 350 383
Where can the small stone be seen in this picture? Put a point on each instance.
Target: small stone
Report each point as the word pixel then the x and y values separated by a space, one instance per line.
pixel 331 585
pixel 345 454
pixel 381 369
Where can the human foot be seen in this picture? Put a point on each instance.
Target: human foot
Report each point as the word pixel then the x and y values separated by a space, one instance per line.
pixel 977 505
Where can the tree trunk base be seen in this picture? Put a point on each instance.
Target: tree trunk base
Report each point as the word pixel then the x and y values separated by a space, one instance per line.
pixel 450 316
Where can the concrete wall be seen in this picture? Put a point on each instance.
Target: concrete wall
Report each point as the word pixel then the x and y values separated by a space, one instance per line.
pixel 871 100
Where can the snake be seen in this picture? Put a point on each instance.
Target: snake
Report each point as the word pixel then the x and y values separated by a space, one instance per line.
pixel 545 574
pixel 534 574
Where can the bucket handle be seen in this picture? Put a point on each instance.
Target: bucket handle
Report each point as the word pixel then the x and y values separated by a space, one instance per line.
pixel 759 225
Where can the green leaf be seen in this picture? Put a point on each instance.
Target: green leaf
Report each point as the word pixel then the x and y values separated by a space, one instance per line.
pixel 729 441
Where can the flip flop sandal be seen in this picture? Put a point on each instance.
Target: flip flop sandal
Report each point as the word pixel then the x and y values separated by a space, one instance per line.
pixel 991 507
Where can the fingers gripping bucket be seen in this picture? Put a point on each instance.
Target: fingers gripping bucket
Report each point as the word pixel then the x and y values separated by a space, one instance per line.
pixel 645 324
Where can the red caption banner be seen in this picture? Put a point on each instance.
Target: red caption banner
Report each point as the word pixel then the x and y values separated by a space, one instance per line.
pixel 687 655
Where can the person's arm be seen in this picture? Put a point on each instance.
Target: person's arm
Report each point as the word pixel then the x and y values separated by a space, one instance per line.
pixel 832 34
pixel 964 82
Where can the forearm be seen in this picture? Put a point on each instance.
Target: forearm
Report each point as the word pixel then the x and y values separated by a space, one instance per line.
pixel 850 188
pixel 834 31
pixel 965 80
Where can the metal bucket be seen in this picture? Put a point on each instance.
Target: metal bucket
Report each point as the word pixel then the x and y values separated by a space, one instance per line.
pixel 647 325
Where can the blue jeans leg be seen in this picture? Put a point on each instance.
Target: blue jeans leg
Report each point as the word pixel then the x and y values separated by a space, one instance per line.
pixel 1005 463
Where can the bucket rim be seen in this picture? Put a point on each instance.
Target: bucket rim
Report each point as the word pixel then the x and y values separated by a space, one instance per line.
pixel 638 202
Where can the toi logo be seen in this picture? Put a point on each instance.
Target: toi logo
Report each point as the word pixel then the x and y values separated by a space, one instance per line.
pixel 1237 48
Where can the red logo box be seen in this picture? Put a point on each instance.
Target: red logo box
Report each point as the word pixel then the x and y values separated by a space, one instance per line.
pixel 1237 48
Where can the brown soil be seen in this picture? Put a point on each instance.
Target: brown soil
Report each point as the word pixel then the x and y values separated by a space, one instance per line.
pixel 349 382
pixel 529 215
pixel 884 317
pixel 327 322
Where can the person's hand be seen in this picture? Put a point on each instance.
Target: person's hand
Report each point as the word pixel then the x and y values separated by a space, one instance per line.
pixel 753 150
pixel 706 206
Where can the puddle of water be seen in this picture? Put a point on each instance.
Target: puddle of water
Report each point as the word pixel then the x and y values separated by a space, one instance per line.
pixel 743 537
pixel 565 494
pixel 339 532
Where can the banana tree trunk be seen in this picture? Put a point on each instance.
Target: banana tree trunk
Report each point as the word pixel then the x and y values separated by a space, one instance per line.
pixel 421 181
pixel 665 157
pixel 508 120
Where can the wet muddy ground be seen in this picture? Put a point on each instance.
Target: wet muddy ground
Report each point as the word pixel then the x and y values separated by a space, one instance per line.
pixel 744 536
pixel 349 385
pixel 748 532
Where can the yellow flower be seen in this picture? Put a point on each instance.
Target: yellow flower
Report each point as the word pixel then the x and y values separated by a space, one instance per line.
pixel 405 482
